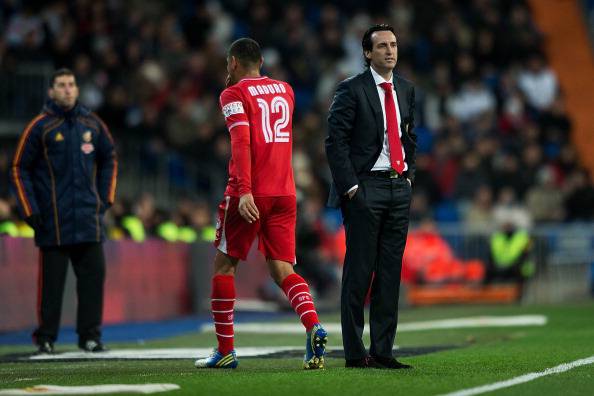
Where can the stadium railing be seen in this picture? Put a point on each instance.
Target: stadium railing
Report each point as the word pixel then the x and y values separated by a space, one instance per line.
pixel 563 253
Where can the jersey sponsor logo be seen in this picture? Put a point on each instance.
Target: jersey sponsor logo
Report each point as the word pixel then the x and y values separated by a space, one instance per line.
pixel 59 137
pixel 233 108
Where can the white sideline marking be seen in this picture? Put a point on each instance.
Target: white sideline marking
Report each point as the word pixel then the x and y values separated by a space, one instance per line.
pixel 90 390
pixel 255 305
pixel 523 378
pixel 478 321
pixel 162 353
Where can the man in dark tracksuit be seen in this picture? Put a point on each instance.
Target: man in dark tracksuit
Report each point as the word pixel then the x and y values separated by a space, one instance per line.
pixel 64 177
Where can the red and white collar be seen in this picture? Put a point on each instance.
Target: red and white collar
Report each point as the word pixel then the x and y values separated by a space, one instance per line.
pixel 253 78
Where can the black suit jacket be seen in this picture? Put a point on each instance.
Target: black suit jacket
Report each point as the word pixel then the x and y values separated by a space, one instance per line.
pixel 356 130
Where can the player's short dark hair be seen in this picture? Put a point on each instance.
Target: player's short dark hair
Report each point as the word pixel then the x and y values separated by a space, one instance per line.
pixel 246 51
pixel 367 44
pixel 59 73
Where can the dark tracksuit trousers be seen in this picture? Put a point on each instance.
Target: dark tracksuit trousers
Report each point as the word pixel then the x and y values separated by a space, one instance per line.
pixel 88 263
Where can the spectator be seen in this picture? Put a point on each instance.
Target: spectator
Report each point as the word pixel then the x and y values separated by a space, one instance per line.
pixel 7 224
pixel 25 29
pixel 444 167
pixel 530 165
pixel 545 199
pixel 511 248
pixel 479 215
pixel 471 101
pixel 509 209
pixel 538 83
pixel 509 174
pixel 579 202
pixel 470 178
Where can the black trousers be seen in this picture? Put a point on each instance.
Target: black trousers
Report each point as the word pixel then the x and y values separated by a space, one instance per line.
pixel 88 263
pixel 376 226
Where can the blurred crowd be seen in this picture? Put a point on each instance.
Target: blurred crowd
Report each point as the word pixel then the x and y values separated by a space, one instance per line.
pixel 494 137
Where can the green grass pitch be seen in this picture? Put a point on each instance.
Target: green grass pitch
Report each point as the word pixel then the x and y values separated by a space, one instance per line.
pixel 481 356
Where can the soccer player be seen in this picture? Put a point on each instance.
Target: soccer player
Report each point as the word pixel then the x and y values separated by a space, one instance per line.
pixel 259 201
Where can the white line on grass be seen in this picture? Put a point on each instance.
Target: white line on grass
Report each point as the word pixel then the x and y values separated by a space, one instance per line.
pixel 523 378
pixel 74 366
pixel 91 389
pixel 459 323
pixel 160 353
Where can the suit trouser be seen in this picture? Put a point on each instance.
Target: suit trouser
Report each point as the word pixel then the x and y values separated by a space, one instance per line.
pixel 88 263
pixel 376 226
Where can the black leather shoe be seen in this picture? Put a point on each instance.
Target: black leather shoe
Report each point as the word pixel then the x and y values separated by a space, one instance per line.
pixel 373 363
pixel 45 348
pixel 366 362
pixel 391 363
pixel 356 363
pixel 93 346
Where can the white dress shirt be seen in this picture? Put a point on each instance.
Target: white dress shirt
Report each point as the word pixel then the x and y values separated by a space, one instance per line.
pixel 383 161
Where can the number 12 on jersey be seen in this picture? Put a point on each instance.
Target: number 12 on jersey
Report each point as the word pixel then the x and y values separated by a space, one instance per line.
pixel 275 133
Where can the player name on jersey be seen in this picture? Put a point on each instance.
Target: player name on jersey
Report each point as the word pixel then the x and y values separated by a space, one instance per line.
pixel 257 90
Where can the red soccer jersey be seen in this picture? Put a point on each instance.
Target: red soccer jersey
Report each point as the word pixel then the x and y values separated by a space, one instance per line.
pixel 259 116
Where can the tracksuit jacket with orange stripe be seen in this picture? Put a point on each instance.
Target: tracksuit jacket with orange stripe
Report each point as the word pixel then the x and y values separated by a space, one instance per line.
pixel 65 170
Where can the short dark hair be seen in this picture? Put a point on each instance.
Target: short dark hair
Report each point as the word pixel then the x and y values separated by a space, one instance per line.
pixel 246 50
pixel 59 73
pixel 367 44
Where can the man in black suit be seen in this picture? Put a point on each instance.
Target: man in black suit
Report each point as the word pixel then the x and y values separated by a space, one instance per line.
pixel 371 153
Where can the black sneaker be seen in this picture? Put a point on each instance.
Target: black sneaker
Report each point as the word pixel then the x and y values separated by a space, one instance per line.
pixel 45 348
pixel 93 346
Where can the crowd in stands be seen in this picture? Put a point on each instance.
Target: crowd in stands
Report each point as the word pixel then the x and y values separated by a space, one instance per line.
pixel 494 137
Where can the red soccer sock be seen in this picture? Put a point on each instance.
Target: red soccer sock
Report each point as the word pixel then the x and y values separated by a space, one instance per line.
pixel 297 292
pixel 222 301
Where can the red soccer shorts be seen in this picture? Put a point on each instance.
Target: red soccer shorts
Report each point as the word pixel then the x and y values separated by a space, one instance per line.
pixel 275 228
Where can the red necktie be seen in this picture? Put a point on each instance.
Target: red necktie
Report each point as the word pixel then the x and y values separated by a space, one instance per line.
pixel 392 122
